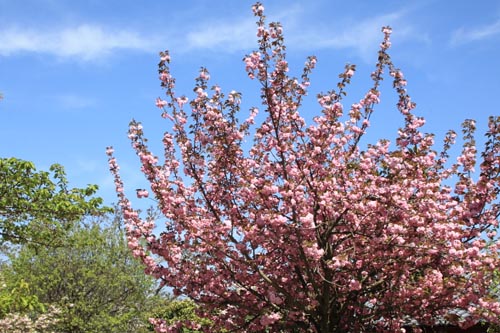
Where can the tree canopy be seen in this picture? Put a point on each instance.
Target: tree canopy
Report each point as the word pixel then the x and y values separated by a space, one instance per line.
pixel 309 229
pixel 37 206
pixel 92 279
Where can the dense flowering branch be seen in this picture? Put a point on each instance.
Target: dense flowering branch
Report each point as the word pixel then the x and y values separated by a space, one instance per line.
pixel 309 231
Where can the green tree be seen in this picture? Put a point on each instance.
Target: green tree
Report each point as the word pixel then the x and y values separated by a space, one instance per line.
pixel 92 278
pixel 37 207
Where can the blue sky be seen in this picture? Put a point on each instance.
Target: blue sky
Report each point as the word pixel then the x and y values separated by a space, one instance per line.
pixel 75 72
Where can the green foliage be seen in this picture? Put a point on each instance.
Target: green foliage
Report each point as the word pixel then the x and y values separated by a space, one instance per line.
pixel 495 293
pixel 82 269
pixel 92 278
pixel 37 206
pixel 18 298
pixel 173 311
pixel 493 329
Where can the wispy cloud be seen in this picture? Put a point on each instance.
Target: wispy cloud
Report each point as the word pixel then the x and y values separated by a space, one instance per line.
pixel 226 36
pixel 84 42
pixel 464 36
pixel 362 36
pixel 234 34
pixel 73 102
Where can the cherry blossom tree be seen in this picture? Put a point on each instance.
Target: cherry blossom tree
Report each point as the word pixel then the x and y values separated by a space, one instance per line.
pixel 310 229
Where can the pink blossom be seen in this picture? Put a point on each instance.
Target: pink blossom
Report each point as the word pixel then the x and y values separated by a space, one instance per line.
pixel 354 285
pixel 270 319
pixel 161 103
pixel 181 101
pixel 164 76
pixel 204 75
pixel 141 193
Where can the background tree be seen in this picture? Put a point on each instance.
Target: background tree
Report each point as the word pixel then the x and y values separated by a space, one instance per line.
pixel 92 278
pixel 37 206
pixel 308 228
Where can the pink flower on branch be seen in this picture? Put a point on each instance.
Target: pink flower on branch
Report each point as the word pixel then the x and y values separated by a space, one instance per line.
pixel 308 228
pixel 141 193
pixel 161 103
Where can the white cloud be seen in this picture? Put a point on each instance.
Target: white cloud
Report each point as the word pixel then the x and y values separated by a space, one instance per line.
pixel 73 101
pixel 223 36
pixel 463 36
pixel 85 42
pixel 361 35
pixel 233 34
